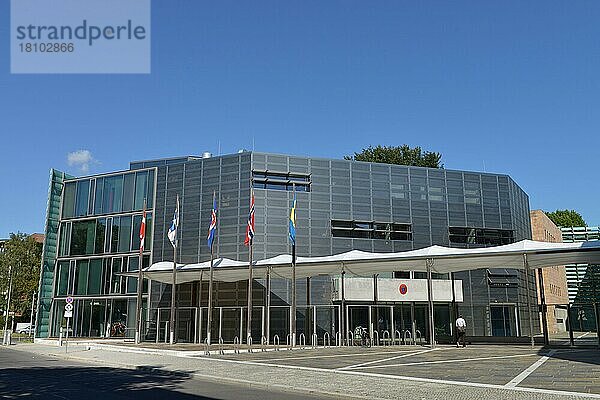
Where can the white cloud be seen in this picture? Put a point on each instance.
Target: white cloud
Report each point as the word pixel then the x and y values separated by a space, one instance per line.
pixel 81 159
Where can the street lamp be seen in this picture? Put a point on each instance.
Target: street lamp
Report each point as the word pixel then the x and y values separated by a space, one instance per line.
pixel 6 338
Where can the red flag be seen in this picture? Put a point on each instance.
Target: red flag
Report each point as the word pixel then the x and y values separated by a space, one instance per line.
pixel 250 226
pixel 143 231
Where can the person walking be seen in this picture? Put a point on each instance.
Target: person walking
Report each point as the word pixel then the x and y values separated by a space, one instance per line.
pixel 461 329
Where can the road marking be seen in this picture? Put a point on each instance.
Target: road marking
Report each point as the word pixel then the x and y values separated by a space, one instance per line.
pixel 329 356
pixel 448 361
pixel 521 377
pixel 416 379
pixel 384 360
pixel 358 373
pixel 582 336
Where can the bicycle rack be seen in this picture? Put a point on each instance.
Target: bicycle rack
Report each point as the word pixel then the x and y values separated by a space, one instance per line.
pixel 398 337
pixel 276 342
pixel 221 351
pixel 314 339
pixel 302 340
pixel 373 341
pixel 236 345
pixel 288 341
pixel 385 338
pixel 326 340
pixel 263 343
pixel 407 332
pixel 249 343
pixel 206 347
pixel 419 336
pixel 350 339
pixel 338 338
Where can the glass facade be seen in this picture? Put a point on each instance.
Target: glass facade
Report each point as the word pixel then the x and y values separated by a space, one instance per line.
pixel 341 205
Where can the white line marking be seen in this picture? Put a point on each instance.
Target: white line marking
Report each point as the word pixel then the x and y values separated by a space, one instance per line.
pixel 329 356
pixel 412 378
pixel 385 359
pixel 582 336
pixel 448 361
pixel 521 377
pixel 394 377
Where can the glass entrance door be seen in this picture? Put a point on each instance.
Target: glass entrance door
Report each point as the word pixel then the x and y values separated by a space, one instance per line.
pixel 503 320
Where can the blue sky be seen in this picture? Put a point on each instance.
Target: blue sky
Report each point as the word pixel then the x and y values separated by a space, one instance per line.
pixel 509 87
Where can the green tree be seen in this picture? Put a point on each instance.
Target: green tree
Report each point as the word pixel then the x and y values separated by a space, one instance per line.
pixel 24 254
pixel 566 218
pixel 400 155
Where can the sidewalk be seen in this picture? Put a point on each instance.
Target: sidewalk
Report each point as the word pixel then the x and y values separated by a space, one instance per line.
pixel 304 380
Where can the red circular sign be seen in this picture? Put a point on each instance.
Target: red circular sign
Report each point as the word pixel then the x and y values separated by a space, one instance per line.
pixel 403 289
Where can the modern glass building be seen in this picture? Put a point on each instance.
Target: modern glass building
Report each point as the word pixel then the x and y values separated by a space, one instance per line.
pixel 93 224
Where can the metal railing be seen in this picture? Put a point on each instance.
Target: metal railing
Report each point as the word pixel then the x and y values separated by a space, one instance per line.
pixel 249 343
pixel 398 337
pixel 407 332
pixel 326 340
pixel 314 339
pixel 276 342
pixel 385 338
pixel 221 351
pixel 350 338
pixel 302 340
pixel 263 343
pixel 375 339
pixel 236 345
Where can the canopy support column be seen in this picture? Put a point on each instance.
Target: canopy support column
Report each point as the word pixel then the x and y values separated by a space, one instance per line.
pixel 429 262
pixel 544 307
pixel 268 317
pixel 527 286
pixel 343 310
pixel 199 317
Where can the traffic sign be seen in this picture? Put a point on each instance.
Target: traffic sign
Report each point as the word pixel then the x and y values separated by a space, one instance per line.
pixel 68 314
pixel 68 307
pixel 69 300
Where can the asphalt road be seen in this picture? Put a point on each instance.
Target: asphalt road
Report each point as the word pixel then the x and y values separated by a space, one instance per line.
pixel 25 375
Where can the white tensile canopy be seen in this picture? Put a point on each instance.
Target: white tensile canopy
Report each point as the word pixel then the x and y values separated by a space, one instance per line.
pixel 524 254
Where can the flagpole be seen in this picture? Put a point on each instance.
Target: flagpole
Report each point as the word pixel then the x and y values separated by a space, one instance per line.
pixel 293 310
pixel 138 317
pixel 210 297
pixel 294 294
pixel 249 239
pixel 249 324
pixel 174 285
pixel 210 278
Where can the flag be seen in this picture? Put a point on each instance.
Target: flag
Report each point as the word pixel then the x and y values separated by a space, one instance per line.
pixel 143 231
pixel 250 226
pixel 212 229
pixel 293 221
pixel 172 234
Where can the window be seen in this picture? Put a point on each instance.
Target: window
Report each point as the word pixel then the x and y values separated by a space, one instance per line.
pixel 370 230
pixel 500 277
pixel 483 236
pixel 124 234
pixel 62 281
pixel 402 274
pixel 83 238
pixel 141 189
pixel 100 235
pixel 113 193
pixel 281 181
pixel 81 277
pixel 98 196
pixel 128 187
pixel 95 276
pixel 69 200
pixel 83 195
